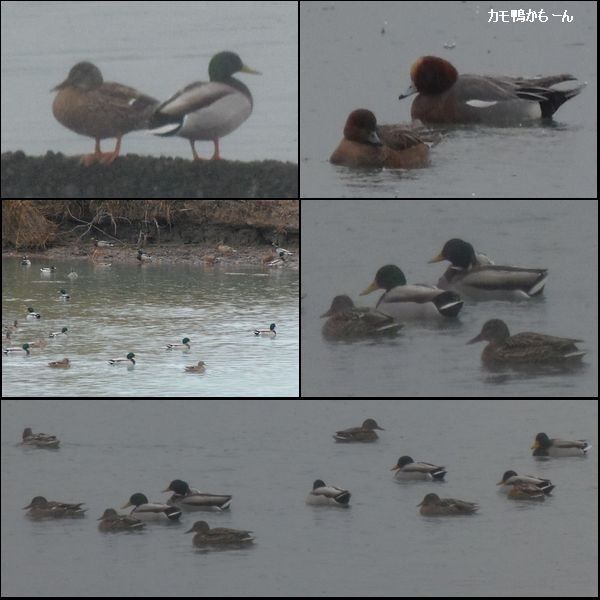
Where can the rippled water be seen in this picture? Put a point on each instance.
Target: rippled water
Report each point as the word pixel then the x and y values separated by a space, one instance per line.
pixel 140 309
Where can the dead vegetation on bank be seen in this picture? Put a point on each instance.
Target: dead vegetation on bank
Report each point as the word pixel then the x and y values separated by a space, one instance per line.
pixel 36 224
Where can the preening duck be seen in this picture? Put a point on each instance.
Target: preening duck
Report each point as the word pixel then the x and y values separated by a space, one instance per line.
pixel 151 511
pixel 39 440
pixel 406 469
pixel 327 495
pixel 191 499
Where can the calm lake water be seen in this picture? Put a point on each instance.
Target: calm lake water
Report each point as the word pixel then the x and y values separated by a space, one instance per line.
pixel 345 242
pixel 349 63
pixel 267 454
pixel 158 48
pixel 140 309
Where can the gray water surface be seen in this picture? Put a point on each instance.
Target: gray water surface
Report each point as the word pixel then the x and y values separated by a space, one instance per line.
pixel 141 308
pixel 345 242
pixel 267 454
pixel 348 63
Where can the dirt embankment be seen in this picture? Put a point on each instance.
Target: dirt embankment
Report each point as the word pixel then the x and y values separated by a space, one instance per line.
pixel 209 231
pixel 57 176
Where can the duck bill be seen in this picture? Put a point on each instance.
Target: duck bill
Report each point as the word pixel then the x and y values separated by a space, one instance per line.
pixel 247 69
pixel 127 505
pixel 409 92
pixel 166 490
pixel 60 86
pixel 477 338
pixel 438 258
pixel 326 314
pixel 500 483
pixel 395 468
pixel 535 446
pixel 374 286
pixel 189 530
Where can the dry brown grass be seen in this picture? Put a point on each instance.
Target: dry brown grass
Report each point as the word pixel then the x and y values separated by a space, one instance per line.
pixel 24 226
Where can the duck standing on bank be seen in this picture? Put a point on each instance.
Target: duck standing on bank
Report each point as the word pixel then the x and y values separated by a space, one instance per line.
pixel 207 110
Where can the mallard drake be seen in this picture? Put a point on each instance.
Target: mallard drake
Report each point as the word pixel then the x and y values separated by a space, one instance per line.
pixel 365 433
pixel 60 364
pixel 48 270
pixel 64 295
pixel 207 110
pixel 72 275
pixel 31 314
pixel 143 257
pixel 25 262
pixel 347 321
pixel 147 511
pixel 88 105
pixel 526 491
pixel 112 521
pixel 129 360
pixel 218 536
pixel 406 468
pixel 40 508
pixel 433 505
pixel 472 275
pixel 63 331
pixel 281 251
pixel 266 332
pixel 40 440
pixel 555 447
pixel 24 349
pixel 511 478
pixel 199 368
pixel 191 499
pixel 185 345
pixel 524 348
pixel 327 495
pixel 415 301
pixel 103 243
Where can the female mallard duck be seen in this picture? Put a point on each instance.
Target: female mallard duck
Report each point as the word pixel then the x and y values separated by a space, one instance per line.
pixel 347 321
pixel 544 446
pixel 191 499
pixel 129 360
pixel 524 348
pixel 60 364
pixel 415 301
pixel 63 331
pixel 510 478
pixel 40 508
pixel 365 433
pixel 147 511
pixel 88 105
pixel 406 469
pixel 266 332
pixel 64 295
pixel 199 368
pixel 143 257
pixel 526 491
pixel 218 536
pixel 25 262
pixel 185 345
pixel 47 270
pixel 24 349
pixel 31 314
pixel 112 521
pixel 39 440
pixel 475 276
pixel 433 505
pixel 207 110
pixel 327 495
pixel 72 275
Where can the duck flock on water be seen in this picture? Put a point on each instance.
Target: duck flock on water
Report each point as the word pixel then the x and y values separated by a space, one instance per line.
pixel 186 499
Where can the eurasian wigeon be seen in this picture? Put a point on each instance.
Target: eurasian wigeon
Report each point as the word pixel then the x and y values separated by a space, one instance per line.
pixel 446 97
pixel 369 146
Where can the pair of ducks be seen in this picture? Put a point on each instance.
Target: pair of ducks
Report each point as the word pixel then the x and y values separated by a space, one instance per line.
pixel 473 275
pixel 100 109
